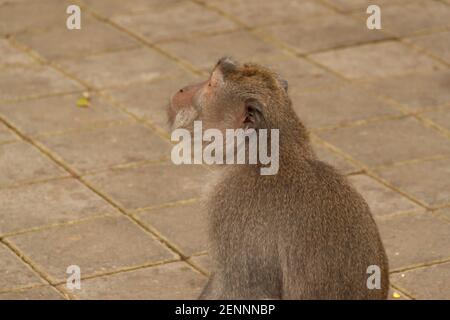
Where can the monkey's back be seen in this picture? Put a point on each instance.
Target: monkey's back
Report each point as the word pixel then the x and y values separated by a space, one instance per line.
pixel 306 233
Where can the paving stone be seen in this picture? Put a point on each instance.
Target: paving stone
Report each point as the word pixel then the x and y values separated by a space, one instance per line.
pixel 334 159
pixel 13 272
pixel 151 185
pixel 436 43
pixel 149 100
pixel 382 201
pixel 6 134
pixel 377 60
pixel 37 293
pixel 338 106
pixel 109 8
pixel 59 113
pixel 416 91
pixel 165 24
pixel 204 52
pixel 59 42
pixel 256 13
pixel 118 68
pixel 19 82
pixel 429 283
pixel 445 213
pixel 184 225
pixel 11 55
pixel 361 5
pixel 415 16
pixel 20 162
pixel 48 203
pixel 440 116
pixel 392 141
pixel 96 246
pixel 169 281
pixel 106 147
pixel 20 16
pixel 302 75
pixel 323 32
pixel 413 239
pixel 427 181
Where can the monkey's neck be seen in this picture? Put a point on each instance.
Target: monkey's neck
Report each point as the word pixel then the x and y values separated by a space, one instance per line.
pixel 295 140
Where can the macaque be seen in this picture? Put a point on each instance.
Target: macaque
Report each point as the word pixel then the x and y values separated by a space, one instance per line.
pixel 301 233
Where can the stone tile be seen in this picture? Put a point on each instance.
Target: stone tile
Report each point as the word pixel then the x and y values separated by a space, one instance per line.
pixel 429 283
pixel 59 42
pixel 184 225
pixel 20 162
pixel 109 8
pixel 338 106
pixel 13 272
pixel 59 113
pixel 427 181
pixel 149 100
pixel 256 13
pixel 96 246
pixel 33 15
pixel 440 116
pixel 361 5
pixel 445 213
pixel 151 185
pixel 176 281
pixel 22 82
pixel 6 134
pixel 382 201
pixel 436 43
pixel 416 91
pixel 412 239
pixel 382 143
pixel 118 68
pixel 323 32
pixel 106 147
pixel 37 293
pixel 165 24
pixel 204 261
pixel 415 16
pixel 334 159
pixel 377 60
pixel 302 75
pixel 204 52
pixel 11 55
pixel 48 203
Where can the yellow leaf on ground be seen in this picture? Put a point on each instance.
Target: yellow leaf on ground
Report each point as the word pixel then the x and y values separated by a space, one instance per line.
pixel 83 102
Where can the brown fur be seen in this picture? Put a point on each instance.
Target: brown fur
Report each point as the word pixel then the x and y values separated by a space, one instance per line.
pixel 304 233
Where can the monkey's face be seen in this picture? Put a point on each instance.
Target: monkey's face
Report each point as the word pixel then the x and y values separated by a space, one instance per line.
pixel 234 96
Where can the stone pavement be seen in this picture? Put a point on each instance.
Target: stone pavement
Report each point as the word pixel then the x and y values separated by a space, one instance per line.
pixel 94 187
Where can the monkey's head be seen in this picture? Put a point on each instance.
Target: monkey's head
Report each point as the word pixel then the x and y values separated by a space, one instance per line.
pixel 234 96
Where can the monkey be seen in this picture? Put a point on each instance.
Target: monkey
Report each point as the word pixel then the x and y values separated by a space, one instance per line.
pixel 302 233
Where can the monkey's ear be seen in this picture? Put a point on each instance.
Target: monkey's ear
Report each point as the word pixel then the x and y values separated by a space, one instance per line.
pixel 254 117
